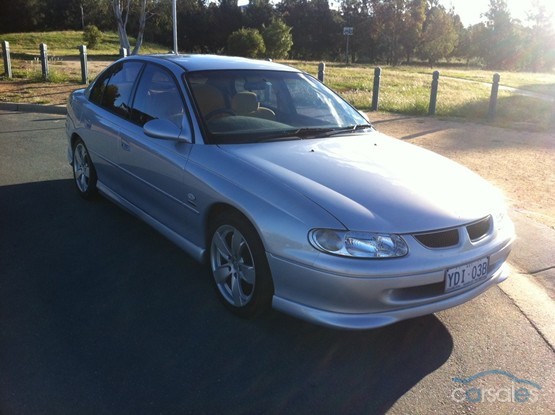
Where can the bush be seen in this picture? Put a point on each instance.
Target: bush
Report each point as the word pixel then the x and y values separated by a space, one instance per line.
pixel 277 39
pixel 247 43
pixel 92 36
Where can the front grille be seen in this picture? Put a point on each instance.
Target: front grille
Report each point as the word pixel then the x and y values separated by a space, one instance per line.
pixel 478 230
pixel 439 239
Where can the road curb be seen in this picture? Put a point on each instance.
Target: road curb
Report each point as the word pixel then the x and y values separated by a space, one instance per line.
pixel 533 301
pixel 42 109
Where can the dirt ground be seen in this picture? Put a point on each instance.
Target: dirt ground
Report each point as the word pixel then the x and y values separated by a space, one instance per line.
pixel 521 163
pixel 23 91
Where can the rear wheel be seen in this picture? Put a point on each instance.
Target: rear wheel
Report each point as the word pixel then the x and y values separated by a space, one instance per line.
pixel 239 266
pixel 84 173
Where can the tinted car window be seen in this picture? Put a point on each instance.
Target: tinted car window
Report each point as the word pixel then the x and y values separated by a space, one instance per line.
pixel 113 90
pixel 238 106
pixel 157 97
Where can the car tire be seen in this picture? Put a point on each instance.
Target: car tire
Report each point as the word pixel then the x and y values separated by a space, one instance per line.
pixel 238 265
pixel 84 173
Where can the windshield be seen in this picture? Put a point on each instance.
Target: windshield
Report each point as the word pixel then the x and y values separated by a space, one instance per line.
pixel 239 106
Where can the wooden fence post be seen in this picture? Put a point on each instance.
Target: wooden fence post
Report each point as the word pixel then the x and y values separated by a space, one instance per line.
pixel 492 112
pixel 321 71
pixel 433 95
pixel 44 61
pixel 84 64
pixel 7 59
pixel 376 88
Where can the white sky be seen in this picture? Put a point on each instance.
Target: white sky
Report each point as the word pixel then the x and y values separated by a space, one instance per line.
pixel 470 11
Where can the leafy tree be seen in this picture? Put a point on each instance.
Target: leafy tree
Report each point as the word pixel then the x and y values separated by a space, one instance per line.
pixel 411 30
pixel 316 29
pixel 357 14
pixel 259 13
pixel 502 44
pixel 389 23
pixel 439 36
pixel 277 39
pixel 23 17
pixel 540 39
pixel 247 42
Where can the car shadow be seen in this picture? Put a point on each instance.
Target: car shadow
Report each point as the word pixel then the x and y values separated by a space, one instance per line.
pixel 100 314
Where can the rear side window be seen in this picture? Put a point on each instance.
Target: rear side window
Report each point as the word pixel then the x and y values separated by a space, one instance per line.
pixel 113 90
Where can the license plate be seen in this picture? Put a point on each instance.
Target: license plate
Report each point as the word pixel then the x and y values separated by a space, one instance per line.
pixel 466 275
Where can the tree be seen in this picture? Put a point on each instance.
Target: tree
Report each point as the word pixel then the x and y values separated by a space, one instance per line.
pixel 389 25
pixel 439 36
pixel 247 42
pixel 316 29
pixel 122 12
pixel 259 13
pixel 540 39
pixel 277 39
pixel 411 30
pixel 502 47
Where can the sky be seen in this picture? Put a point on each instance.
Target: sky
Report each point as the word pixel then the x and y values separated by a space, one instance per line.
pixel 470 11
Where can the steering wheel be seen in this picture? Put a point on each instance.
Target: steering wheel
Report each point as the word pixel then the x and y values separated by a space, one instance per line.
pixel 215 113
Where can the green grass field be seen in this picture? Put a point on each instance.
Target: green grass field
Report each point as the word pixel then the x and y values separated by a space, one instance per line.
pixel 463 93
pixel 66 44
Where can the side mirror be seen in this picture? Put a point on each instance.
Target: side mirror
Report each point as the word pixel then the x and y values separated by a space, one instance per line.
pixel 163 129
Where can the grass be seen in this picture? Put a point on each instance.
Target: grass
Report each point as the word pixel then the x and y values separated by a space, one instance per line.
pixel 463 93
pixel 66 44
pixel 406 90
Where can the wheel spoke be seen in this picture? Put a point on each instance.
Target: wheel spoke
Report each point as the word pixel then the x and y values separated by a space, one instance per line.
pixel 247 273
pixel 236 291
pixel 83 181
pixel 221 245
pixel 79 157
pixel 237 242
pixel 222 273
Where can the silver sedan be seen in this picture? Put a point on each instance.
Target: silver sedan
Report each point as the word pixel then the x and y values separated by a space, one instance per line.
pixel 286 191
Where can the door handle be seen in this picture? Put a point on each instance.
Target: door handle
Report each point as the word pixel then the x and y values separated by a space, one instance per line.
pixel 125 145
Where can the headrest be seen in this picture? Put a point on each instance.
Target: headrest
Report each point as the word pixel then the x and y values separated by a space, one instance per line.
pixel 208 97
pixel 244 102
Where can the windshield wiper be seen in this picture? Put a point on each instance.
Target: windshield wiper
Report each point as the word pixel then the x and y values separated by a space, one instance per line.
pixel 302 133
pixel 318 132
pixel 350 129
pixel 311 132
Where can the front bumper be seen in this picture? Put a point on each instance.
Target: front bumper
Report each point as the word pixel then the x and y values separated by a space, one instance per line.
pixel 380 296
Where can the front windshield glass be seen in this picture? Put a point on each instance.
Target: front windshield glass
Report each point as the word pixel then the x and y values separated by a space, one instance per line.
pixel 251 105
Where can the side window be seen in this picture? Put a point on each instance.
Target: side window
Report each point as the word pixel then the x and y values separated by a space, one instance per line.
pixel 157 97
pixel 99 88
pixel 113 91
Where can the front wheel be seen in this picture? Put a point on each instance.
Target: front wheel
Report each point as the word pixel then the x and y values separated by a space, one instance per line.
pixel 84 173
pixel 239 266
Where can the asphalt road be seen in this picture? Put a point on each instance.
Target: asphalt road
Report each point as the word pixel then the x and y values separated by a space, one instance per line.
pixel 101 315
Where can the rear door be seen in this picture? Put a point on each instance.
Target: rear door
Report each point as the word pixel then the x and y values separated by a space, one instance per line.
pixel 107 109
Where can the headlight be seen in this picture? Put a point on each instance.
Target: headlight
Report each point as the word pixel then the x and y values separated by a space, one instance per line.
pixel 358 244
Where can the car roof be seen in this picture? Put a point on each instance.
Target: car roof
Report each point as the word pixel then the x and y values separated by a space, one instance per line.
pixel 194 62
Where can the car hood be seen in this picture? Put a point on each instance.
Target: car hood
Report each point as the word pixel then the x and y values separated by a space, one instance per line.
pixel 376 183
